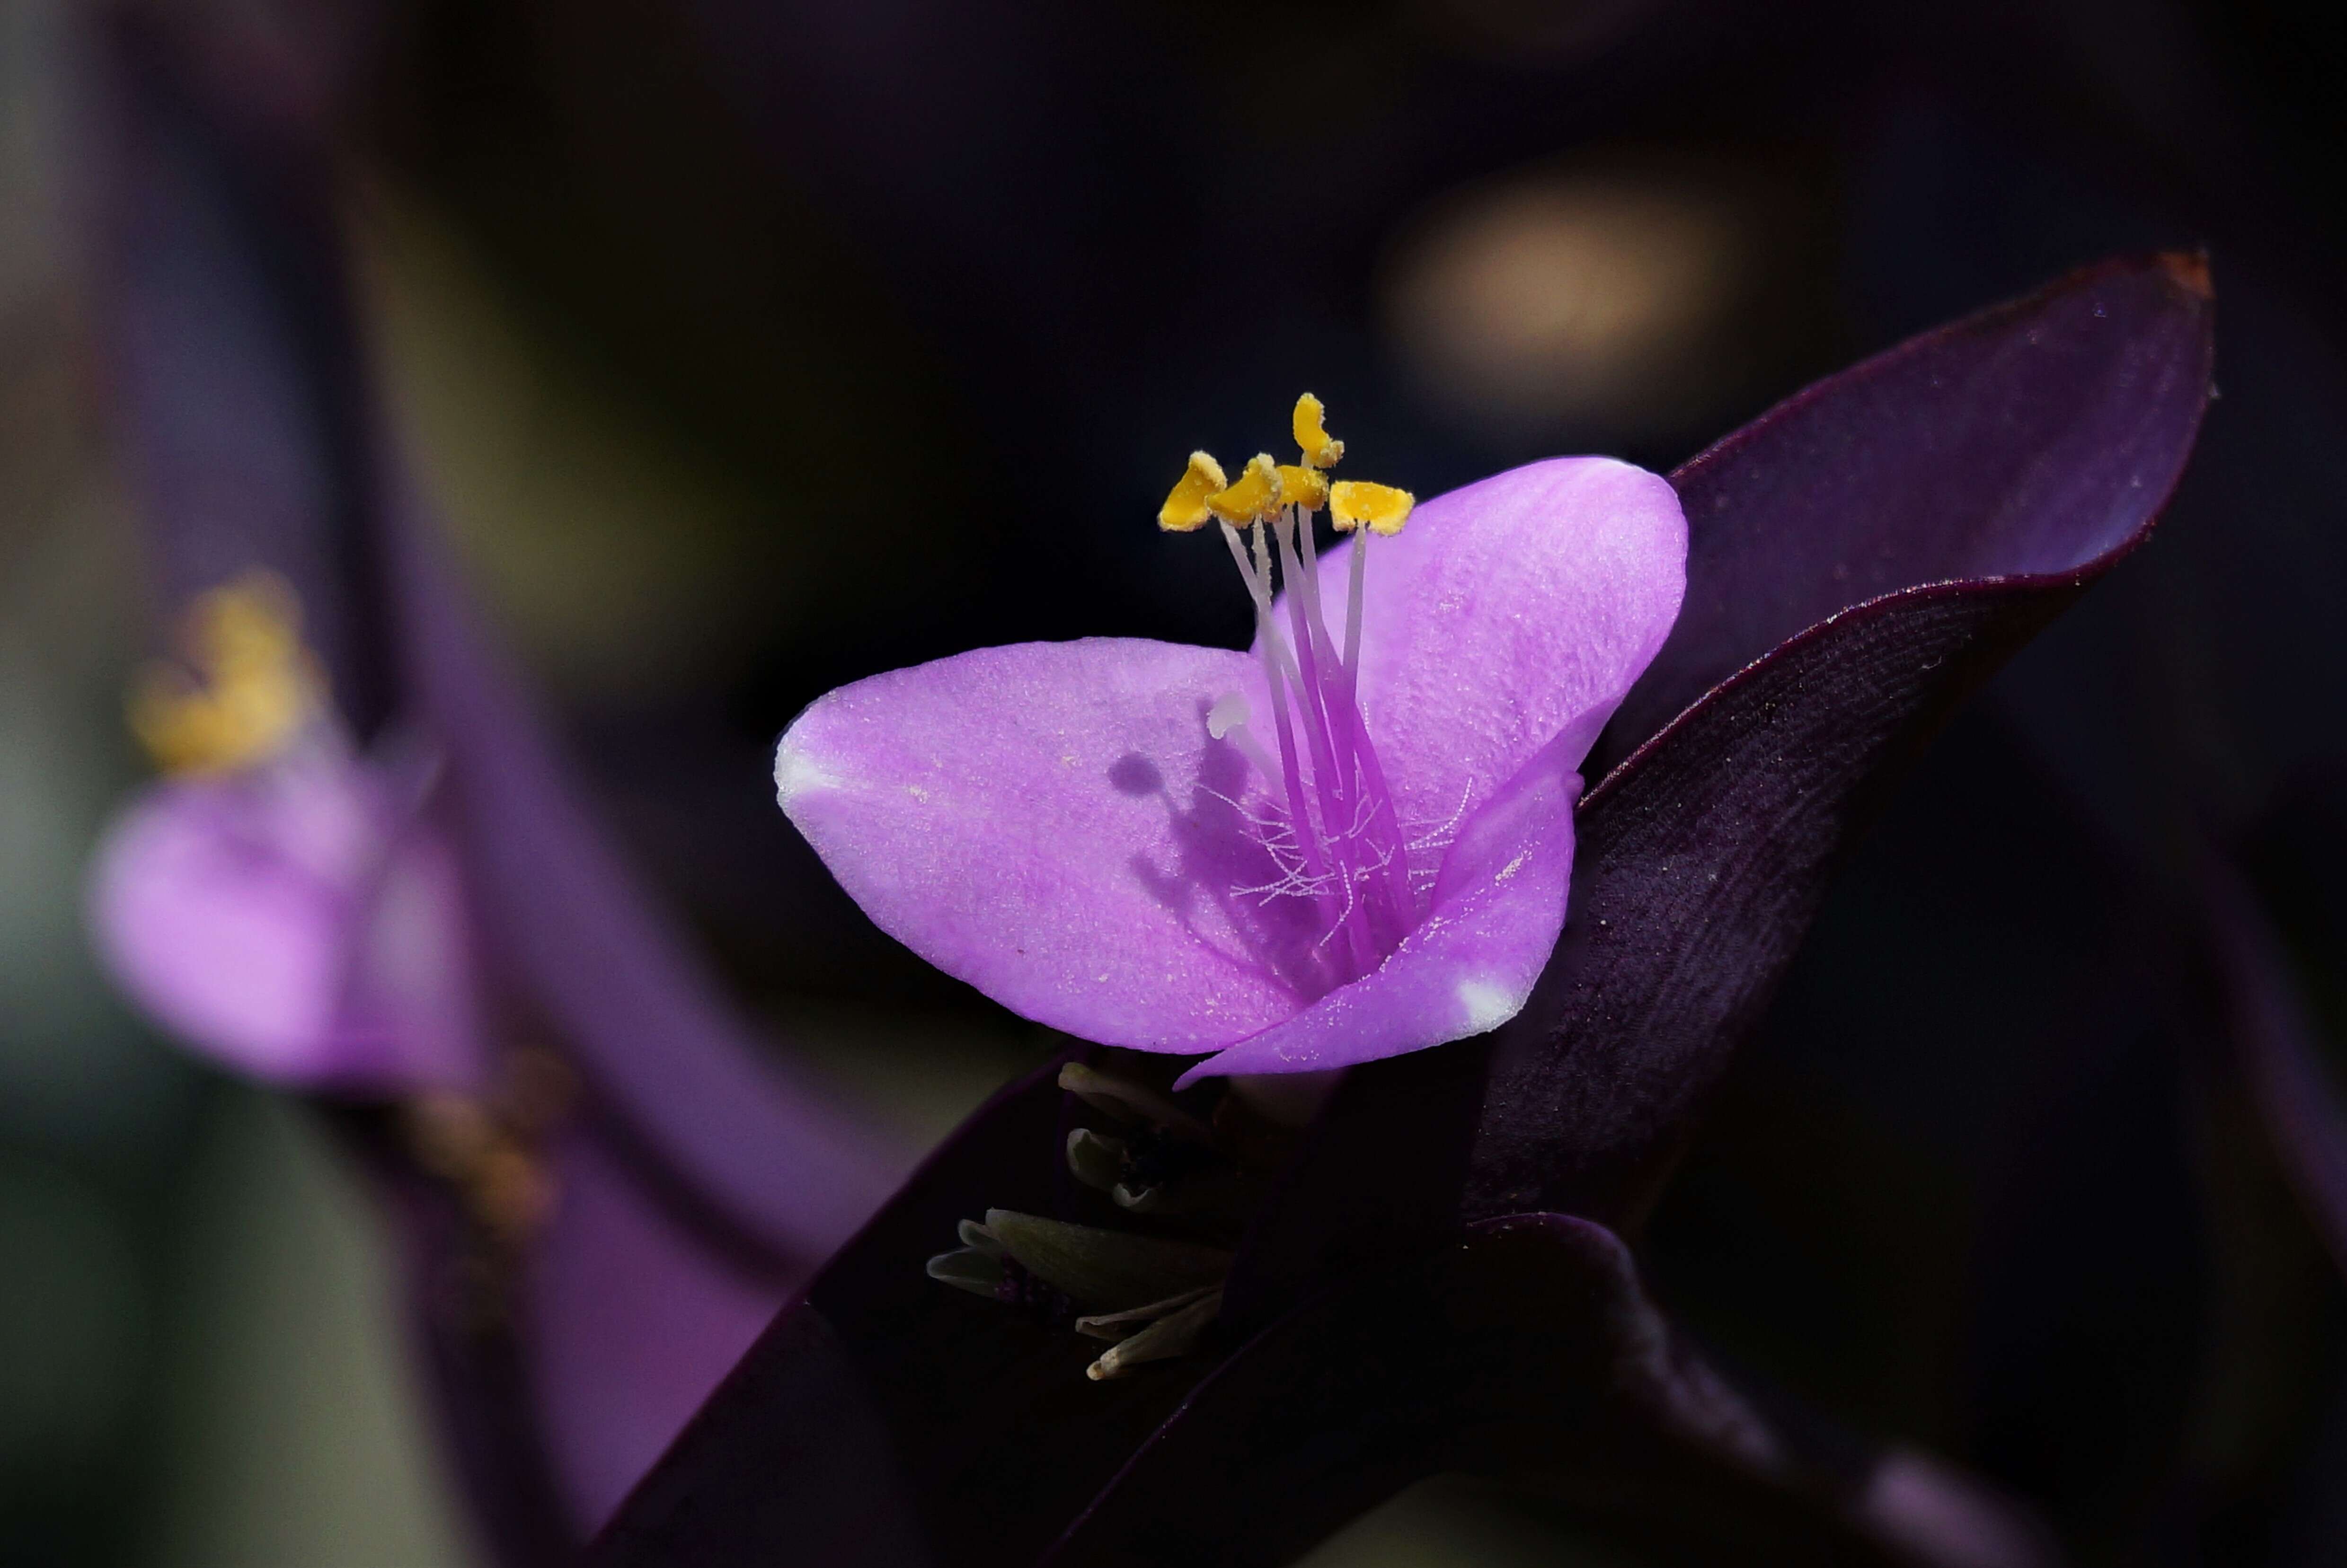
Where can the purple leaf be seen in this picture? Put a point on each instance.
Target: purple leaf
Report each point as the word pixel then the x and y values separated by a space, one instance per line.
pixel 2035 439
pixel 1972 483
pixel 637 1013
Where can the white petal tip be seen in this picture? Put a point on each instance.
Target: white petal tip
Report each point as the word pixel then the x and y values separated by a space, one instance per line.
pixel 796 774
pixel 1484 1006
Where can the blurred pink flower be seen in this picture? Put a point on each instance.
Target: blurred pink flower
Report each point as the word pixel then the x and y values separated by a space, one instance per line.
pixel 299 921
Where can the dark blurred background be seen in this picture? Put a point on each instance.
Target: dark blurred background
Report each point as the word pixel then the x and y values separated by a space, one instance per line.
pixel 748 349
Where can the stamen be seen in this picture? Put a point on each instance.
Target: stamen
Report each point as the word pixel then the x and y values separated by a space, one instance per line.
pixel 1273 829
pixel 1441 834
pixel 1304 488
pixel 1294 883
pixel 1280 675
pixel 1360 567
pixel 1399 907
pixel 255 686
pixel 1253 497
pixel 1185 510
pixel 1390 906
pixel 1340 842
pixel 1312 434
pixel 1390 509
pixel 1331 777
pixel 1252 575
pixel 1352 502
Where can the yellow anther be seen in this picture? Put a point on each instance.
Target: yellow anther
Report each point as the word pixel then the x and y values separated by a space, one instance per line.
pixel 1320 451
pixel 1254 497
pixel 1304 488
pixel 1352 502
pixel 256 685
pixel 1185 508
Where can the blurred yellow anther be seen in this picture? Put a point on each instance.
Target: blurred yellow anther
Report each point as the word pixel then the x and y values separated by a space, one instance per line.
pixel 1312 435
pixel 1304 488
pixel 254 685
pixel 1185 508
pixel 1352 502
pixel 1254 497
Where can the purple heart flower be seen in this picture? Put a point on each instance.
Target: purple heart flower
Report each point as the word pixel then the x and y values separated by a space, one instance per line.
pixel 297 924
pixel 1437 1280
pixel 1317 854
pixel 282 903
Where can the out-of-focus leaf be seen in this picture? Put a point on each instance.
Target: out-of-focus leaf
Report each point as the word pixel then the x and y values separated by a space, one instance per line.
pixel 687 1085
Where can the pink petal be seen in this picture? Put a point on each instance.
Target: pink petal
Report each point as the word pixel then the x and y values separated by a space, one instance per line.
pixel 1051 823
pixel 275 922
pixel 1504 611
pixel 1498 905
